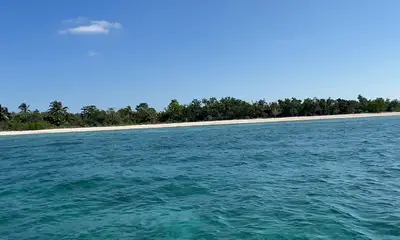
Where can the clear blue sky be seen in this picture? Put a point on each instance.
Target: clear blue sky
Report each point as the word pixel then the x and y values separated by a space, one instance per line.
pixel 118 53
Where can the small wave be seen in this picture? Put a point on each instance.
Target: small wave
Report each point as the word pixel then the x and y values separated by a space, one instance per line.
pixel 80 184
pixel 273 181
pixel 63 144
pixel 181 190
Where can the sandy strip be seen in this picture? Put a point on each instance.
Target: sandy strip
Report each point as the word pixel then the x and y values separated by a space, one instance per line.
pixel 190 124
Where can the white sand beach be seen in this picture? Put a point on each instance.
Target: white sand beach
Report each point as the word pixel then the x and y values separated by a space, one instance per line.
pixel 192 124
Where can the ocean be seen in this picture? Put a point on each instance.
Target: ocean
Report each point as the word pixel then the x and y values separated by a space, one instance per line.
pixel 331 179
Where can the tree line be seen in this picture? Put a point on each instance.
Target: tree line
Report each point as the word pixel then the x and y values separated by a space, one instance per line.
pixel 207 109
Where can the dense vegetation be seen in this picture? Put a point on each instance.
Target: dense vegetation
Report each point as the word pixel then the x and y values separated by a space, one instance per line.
pixel 198 110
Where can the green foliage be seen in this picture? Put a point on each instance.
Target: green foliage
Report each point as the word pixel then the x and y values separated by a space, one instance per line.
pixel 4 114
pixel 174 112
pixel 24 108
pixel 377 105
pixel 18 126
pixel 126 115
pixel 92 116
pixel 57 113
pixel 145 114
pixel 210 109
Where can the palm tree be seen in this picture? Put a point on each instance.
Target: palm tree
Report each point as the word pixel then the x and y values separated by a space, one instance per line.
pixel 57 112
pixel 3 113
pixel 24 108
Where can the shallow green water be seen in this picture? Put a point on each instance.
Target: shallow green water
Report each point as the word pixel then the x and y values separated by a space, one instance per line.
pixel 337 179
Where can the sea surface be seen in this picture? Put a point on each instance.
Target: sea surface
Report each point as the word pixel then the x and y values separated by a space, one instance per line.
pixel 332 179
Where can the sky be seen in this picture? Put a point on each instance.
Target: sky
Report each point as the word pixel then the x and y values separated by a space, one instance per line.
pixel 124 52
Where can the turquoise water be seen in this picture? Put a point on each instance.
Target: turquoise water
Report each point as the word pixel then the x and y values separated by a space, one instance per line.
pixel 336 179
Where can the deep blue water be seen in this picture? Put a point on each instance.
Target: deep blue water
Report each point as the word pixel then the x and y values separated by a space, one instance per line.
pixel 336 179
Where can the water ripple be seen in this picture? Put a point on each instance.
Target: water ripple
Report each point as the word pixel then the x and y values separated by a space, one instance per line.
pixel 333 179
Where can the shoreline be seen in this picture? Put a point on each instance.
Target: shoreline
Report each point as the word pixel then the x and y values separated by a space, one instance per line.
pixel 194 124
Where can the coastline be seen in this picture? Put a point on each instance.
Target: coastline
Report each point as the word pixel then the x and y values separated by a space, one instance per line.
pixel 193 124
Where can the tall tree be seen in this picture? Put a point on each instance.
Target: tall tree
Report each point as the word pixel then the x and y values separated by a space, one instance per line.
pixel 275 109
pixel 363 103
pixel 377 105
pixel 146 114
pixel 126 115
pixel 393 105
pixel 92 116
pixel 4 114
pixel 24 108
pixel 194 111
pixel 57 113
pixel 174 111
pixel 112 117
pixel 261 108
